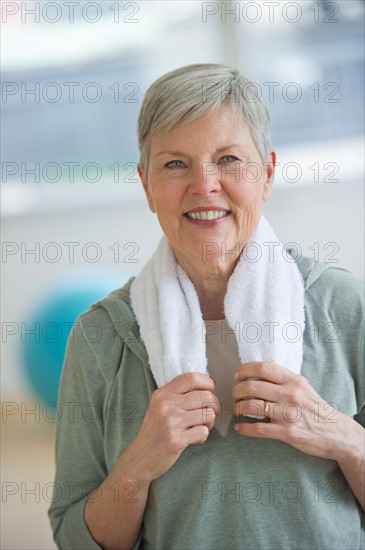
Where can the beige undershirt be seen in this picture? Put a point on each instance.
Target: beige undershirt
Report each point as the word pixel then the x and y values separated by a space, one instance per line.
pixel 223 362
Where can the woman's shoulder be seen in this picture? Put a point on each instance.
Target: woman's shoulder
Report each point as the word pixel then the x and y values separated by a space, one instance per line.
pixel 335 315
pixel 334 296
pixel 110 324
pixel 112 309
pixel 103 330
pixel 329 282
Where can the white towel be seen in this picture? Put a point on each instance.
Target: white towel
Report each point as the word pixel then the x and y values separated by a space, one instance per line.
pixel 264 305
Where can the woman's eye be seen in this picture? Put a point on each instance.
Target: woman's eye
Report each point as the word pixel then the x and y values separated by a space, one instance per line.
pixel 174 164
pixel 228 158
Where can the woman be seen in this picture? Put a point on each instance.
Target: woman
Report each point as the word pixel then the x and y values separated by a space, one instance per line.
pixel 222 328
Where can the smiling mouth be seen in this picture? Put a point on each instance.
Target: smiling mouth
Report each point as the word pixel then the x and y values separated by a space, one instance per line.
pixel 208 214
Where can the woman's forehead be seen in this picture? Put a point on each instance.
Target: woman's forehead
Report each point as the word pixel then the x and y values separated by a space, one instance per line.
pixel 212 132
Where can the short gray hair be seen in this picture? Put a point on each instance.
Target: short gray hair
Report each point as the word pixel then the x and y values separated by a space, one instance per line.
pixel 181 96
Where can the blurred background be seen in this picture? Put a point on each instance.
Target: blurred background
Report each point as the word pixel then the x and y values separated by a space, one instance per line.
pixel 75 224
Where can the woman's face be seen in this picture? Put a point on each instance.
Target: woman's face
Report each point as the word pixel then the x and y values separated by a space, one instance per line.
pixel 206 182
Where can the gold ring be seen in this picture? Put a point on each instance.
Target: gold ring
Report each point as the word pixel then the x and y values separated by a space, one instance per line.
pixel 266 409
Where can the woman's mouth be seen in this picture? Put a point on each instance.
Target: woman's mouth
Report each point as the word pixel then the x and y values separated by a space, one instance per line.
pixel 208 214
pixel 207 217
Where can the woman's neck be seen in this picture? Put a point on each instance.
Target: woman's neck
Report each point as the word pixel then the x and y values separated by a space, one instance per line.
pixel 210 280
pixel 211 290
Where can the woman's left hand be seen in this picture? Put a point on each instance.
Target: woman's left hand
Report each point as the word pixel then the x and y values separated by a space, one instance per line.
pixel 298 414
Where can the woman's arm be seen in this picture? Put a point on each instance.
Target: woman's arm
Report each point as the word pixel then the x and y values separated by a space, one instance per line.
pixel 180 413
pixel 114 511
pixel 299 417
pixel 352 460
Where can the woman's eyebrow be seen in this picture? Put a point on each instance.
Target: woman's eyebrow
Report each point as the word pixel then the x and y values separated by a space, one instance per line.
pixel 180 153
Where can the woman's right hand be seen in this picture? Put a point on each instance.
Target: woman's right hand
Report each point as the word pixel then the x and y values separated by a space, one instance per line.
pixel 180 413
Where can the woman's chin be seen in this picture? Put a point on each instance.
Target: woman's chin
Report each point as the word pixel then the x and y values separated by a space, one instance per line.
pixel 217 249
pixel 210 257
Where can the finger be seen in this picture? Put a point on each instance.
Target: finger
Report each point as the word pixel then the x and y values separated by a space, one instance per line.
pixel 259 389
pixel 267 370
pixel 264 430
pixel 198 399
pixel 254 407
pixel 190 381
pixel 196 435
pixel 195 418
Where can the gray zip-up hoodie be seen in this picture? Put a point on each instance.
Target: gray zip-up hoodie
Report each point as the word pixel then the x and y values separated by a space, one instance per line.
pixel 229 493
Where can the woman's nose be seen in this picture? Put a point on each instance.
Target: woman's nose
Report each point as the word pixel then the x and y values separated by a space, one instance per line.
pixel 205 179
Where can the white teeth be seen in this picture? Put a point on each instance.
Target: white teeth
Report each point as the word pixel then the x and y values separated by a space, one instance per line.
pixel 207 215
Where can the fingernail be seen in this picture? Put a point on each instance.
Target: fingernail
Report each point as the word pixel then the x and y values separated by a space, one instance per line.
pixel 236 427
pixel 236 376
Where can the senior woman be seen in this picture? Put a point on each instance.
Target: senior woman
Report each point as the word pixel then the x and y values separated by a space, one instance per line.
pixel 220 405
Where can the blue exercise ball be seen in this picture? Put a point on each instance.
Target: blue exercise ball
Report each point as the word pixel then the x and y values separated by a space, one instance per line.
pixel 44 341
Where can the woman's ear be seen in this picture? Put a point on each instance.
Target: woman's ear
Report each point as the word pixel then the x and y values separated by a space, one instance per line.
pixel 146 188
pixel 269 167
